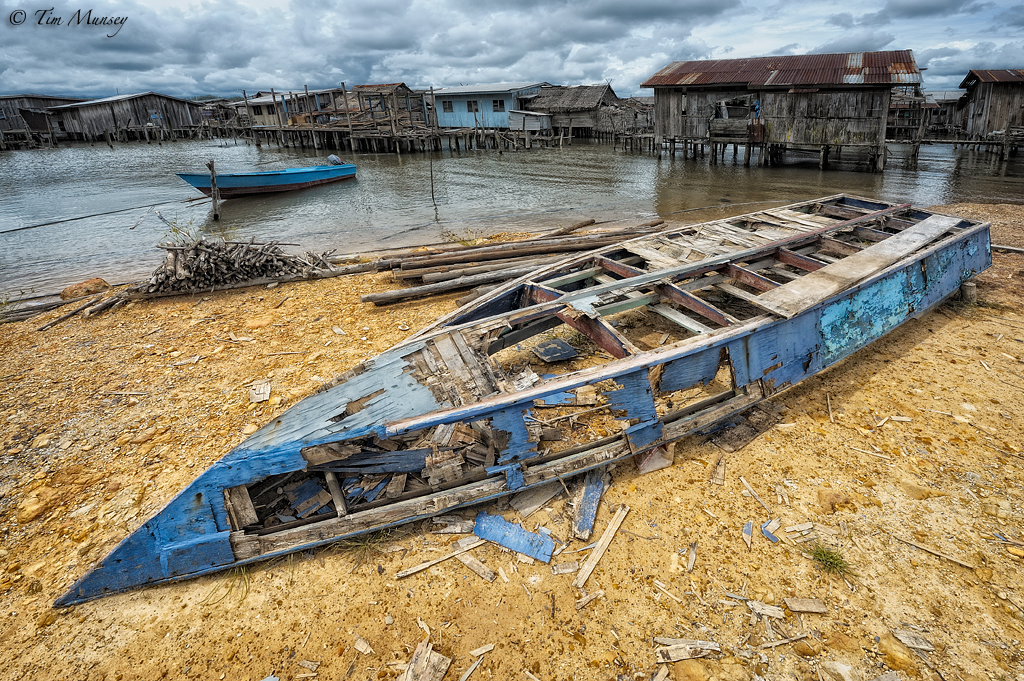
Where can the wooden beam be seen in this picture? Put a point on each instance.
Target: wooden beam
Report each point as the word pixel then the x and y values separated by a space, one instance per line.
pixel 788 257
pixel 694 304
pixel 751 279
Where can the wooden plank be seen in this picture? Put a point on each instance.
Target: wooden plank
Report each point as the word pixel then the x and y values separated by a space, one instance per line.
pixel 476 566
pixel 483 381
pixel 695 304
pixel 396 486
pixel 751 298
pixel 588 599
pixel 680 652
pixel 430 563
pixel 752 279
pixel 453 360
pixel 793 298
pixel 602 546
pixel 586 506
pixel 339 497
pixel 496 529
pixel 530 501
pixel 812 605
pixel 677 317
pixel 788 257
pixel 239 506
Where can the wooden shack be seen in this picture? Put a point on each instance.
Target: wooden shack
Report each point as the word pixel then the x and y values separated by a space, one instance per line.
pixel 25 119
pixel 579 110
pixel 995 104
pixel 141 116
pixel 816 102
pixel 948 119
pixel 288 107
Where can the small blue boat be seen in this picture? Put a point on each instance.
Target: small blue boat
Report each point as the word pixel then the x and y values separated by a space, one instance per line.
pixel 232 185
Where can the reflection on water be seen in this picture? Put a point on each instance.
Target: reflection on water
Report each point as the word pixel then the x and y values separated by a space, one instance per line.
pixel 390 203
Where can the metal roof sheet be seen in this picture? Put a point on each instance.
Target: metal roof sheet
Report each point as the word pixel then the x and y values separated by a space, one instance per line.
pixel 486 88
pixel 994 76
pixel 848 68
pixel 119 98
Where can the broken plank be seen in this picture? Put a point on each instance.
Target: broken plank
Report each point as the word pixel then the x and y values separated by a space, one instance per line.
pixel 679 652
pixel 423 566
pixel 935 553
pixel 754 494
pixel 586 600
pixel 532 500
pixel 812 605
pixel 565 568
pixel 482 650
pixel 586 507
pixel 476 566
pixel 602 546
pixel 496 529
pixel 706 645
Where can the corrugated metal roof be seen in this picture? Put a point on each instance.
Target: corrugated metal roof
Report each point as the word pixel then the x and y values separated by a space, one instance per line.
pixel 856 68
pixel 994 76
pixel 486 88
pixel 119 98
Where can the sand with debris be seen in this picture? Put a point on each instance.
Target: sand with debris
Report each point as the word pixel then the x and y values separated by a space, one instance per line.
pixel 105 419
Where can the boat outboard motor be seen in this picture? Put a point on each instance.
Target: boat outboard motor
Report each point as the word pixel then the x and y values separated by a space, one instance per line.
pixel 335 161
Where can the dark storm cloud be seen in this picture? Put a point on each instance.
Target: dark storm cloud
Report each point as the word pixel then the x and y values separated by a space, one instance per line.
pixel 1013 16
pixel 897 10
pixel 222 46
pixel 857 41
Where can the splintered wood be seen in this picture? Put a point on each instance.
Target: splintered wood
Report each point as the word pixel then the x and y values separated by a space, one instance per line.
pixel 602 546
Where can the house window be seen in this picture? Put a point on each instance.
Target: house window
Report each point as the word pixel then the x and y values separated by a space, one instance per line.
pixel 498 104
pixel 446 106
pixel 472 105
pixel 257 110
pixel 270 110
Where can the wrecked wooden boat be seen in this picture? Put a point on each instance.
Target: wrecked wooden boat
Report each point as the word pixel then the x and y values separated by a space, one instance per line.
pixel 673 332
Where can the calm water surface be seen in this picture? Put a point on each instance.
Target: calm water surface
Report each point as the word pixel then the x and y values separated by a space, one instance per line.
pixel 390 204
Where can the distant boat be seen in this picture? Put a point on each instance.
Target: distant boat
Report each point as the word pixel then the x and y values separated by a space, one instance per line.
pixel 232 185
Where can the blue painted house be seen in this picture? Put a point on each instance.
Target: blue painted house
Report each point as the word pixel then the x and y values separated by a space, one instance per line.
pixel 481 106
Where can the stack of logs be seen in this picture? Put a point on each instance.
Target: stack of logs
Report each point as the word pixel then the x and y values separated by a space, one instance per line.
pixel 204 264
pixel 484 268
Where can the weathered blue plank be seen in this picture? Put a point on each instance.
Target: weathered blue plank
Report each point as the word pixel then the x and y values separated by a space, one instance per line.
pixel 637 400
pixel 513 475
pixel 503 533
pixel 586 512
pixel 697 369
pixel 518 446
pixel 364 463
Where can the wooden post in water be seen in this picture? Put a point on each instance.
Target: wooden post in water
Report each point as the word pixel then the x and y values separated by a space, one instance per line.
pixel 248 114
pixel 214 192
pixel 348 118
pixel 281 141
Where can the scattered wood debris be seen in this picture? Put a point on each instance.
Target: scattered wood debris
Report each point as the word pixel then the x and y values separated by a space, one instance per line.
pixel 601 547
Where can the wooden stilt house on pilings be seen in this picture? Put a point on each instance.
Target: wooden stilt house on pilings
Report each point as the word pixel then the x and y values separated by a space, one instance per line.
pixel 995 108
pixel 144 116
pixel 819 103
pixel 25 120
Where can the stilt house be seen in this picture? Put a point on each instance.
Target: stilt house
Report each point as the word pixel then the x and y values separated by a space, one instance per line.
pixel 995 102
pixel 481 106
pixel 814 102
pixel 27 114
pixel 160 116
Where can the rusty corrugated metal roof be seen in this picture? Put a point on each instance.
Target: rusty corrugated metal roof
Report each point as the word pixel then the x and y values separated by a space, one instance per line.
pixel 848 68
pixel 994 76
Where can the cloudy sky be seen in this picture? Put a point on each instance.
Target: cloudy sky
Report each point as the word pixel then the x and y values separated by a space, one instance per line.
pixel 221 46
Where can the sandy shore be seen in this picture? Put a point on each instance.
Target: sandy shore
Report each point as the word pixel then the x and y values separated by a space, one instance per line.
pixel 105 419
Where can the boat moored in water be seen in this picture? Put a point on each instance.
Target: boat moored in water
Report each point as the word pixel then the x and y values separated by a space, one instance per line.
pixel 232 185
pixel 674 332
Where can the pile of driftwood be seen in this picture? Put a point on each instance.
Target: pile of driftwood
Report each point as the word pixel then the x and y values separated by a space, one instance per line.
pixel 205 265
pixel 483 268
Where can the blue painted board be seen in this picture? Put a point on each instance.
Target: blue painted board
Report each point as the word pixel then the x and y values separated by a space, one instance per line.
pixel 503 533
pixel 586 512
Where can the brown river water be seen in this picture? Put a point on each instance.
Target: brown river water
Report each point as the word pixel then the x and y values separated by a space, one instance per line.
pixel 390 204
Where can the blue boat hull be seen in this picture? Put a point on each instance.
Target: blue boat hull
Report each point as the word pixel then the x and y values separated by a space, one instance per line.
pixel 211 525
pixel 242 184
